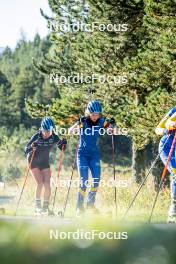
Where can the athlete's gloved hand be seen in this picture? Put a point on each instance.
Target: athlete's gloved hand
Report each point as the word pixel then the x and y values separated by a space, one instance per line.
pixel 34 145
pixel 62 144
pixel 81 120
pixel 111 122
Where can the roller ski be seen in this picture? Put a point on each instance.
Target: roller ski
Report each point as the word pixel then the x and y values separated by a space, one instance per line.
pixel 172 214
pixel 47 212
pixel 43 211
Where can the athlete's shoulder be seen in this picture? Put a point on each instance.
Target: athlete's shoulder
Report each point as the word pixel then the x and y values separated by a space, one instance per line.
pixel 36 135
pixel 102 119
pixel 84 121
pixel 33 138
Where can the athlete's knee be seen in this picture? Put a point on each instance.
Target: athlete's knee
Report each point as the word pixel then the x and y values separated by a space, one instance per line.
pixel 47 180
pixel 39 184
pixel 47 185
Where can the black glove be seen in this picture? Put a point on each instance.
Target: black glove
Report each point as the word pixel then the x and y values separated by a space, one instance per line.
pixel 81 120
pixel 112 121
pixel 62 144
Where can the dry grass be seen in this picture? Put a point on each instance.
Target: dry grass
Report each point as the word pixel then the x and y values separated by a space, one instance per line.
pixel 126 190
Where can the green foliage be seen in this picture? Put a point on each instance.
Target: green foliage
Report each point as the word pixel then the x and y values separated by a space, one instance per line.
pixel 145 53
pixel 5 101
pixel 11 172
pixel 20 80
pixel 12 162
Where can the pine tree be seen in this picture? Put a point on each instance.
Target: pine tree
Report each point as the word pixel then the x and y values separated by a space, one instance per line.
pixel 7 117
pixel 145 53
pixel 24 80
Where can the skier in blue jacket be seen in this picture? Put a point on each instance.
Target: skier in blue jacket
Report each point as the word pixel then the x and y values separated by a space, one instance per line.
pixel 88 156
pixel 42 143
pixel 167 128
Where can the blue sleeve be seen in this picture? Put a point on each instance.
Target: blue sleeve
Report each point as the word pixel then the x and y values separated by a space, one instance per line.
pixel 28 147
pixel 171 112
pixel 102 121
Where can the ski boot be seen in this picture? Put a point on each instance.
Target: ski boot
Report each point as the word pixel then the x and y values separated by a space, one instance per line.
pixel 50 212
pixel 172 213
pixel 38 211
pixel 45 211
pixel 80 212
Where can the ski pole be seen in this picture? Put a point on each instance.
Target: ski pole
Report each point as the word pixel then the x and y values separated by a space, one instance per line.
pixel 59 171
pixel 163 176
pixel 114 173
pixel 25 180
pixel 73 167
pixel 144 180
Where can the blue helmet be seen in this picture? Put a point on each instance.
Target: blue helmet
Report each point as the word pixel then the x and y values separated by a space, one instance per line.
pixel 94 107
pixel 47 124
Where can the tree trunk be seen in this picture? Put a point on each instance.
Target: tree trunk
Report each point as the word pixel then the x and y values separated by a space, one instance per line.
pixel 138 164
